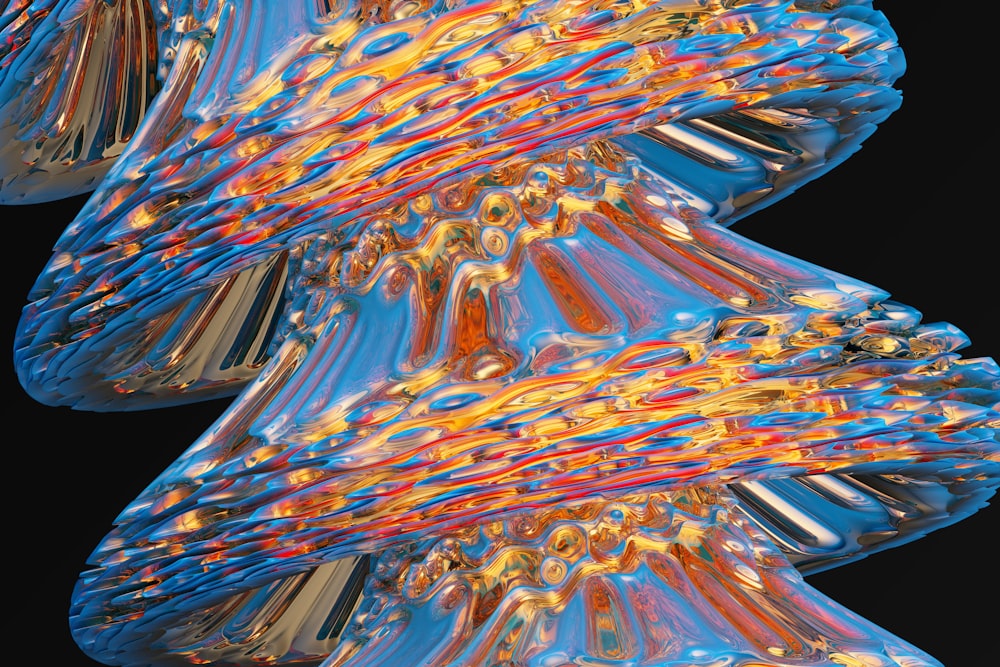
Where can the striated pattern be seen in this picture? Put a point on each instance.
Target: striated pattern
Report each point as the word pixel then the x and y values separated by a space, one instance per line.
pixel 76 79
pixel 551 334
pixel 231 170
pixel 431 380
pixel 671 580
pixel 509 392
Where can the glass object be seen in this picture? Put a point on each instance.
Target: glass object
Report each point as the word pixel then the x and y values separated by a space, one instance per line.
pixel 509 390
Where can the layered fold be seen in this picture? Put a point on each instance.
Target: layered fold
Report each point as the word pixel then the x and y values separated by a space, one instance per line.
pixel 561 332
pixel 245 157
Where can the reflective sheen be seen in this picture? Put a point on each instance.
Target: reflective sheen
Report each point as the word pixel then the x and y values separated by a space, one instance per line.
pixel 507 390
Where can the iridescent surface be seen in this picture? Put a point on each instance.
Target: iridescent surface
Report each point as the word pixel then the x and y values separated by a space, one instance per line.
pixel 75 80
pixel 316 141
pixel 465 264
pixel 667 580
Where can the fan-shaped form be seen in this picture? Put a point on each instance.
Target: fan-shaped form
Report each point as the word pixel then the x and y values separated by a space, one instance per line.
pixel 509 392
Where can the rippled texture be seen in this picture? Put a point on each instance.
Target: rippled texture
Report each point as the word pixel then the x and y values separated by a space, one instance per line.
pixel 251 152
pixel 465 266
pixel 670 579
pixel 76 79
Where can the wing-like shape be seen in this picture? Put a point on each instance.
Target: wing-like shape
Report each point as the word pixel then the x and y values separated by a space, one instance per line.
pixel 569 330
pixel 244 157
pixel 467 265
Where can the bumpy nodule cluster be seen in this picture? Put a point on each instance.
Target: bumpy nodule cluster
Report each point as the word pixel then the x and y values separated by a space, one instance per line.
pixel 508 391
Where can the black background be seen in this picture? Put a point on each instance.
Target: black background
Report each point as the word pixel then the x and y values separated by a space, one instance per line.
pixel 911 213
